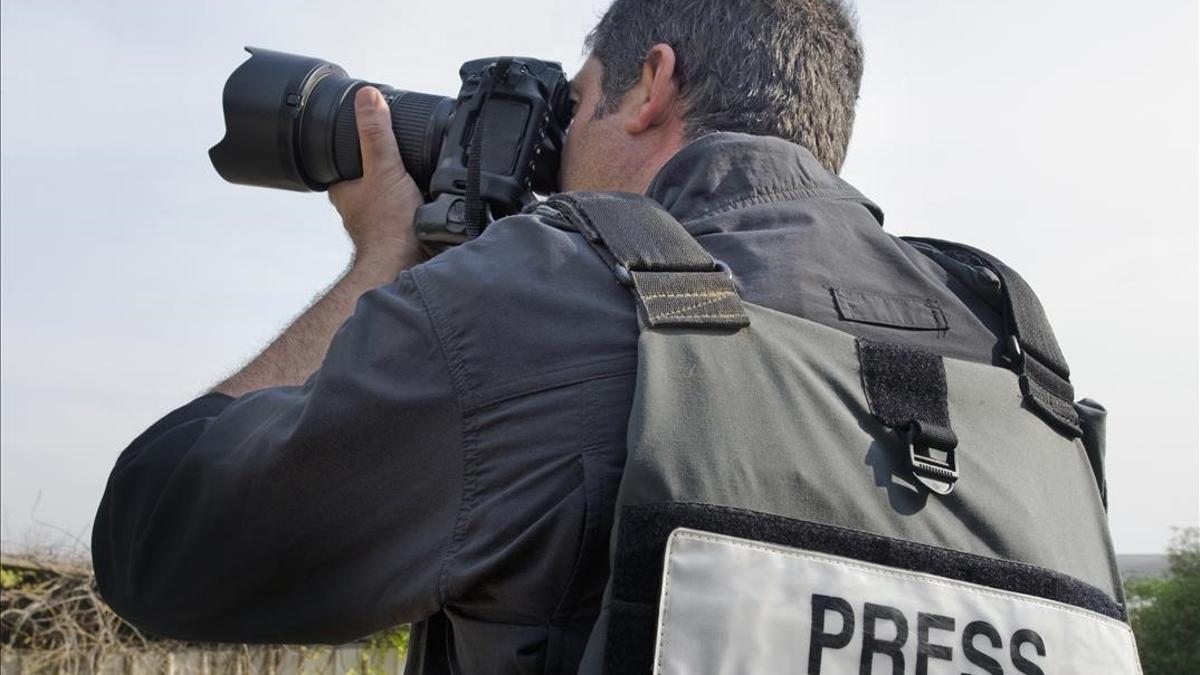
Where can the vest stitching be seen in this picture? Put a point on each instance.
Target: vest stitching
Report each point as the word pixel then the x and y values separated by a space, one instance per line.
pixel 712 294
pixel 713 298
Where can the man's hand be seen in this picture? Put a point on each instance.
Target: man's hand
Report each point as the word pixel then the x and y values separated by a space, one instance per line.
pixel 377 209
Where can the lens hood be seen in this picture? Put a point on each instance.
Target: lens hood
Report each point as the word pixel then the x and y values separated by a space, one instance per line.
pixel 263 100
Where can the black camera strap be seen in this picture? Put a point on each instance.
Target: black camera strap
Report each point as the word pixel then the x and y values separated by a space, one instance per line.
pixel 475 211
pixel 475 215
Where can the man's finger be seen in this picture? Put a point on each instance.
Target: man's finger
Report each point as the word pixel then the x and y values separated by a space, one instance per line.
pixel 379 151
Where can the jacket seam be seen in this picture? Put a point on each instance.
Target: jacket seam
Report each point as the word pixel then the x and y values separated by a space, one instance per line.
pixel 756 197
pixel 553 620
pixel 572 375
pixel 589 445
pixel 455 364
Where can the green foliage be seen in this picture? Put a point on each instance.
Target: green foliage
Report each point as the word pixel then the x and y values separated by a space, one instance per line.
pixel 374 658
pixel 395 639
pixel 1165 612
pixel 10 578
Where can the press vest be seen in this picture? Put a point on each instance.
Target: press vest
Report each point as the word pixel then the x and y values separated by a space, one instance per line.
pixel 795 497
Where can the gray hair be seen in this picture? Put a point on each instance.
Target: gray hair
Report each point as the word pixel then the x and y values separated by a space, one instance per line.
pixel 786 68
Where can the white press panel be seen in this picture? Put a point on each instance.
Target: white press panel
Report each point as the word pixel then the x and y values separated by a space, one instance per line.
pixel 731 605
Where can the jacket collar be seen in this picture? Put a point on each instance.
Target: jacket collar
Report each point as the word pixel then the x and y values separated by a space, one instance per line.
pixel 724 171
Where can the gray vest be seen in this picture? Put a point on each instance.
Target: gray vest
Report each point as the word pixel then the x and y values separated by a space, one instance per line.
pixel 795 499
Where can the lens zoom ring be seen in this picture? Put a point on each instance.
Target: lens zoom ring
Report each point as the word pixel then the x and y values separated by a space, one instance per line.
pixel 346 153
pixel 412 115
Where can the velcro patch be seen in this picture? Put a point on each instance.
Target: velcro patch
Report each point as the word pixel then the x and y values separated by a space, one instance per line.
pixel 735 605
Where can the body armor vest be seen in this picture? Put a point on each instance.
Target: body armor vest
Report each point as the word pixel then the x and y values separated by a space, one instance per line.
pixel 795 499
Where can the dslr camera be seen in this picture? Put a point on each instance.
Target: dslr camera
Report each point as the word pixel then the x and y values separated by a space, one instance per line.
pixel 290 123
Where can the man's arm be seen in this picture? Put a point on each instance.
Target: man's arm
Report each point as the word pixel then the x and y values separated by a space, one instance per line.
pixel 269 512
pixel 377 211
pixel 317 513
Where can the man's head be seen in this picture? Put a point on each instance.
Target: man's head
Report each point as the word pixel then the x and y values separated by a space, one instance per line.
pixel 663 72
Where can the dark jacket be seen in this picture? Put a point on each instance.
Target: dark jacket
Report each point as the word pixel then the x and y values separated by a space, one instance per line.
pixel 455 460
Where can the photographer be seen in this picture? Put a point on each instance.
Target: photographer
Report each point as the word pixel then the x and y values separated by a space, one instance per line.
pixel 440 441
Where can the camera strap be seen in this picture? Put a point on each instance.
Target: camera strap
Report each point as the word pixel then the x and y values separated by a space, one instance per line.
pixel 475 211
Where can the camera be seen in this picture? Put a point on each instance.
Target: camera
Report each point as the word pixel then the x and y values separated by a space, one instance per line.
pixel 290 124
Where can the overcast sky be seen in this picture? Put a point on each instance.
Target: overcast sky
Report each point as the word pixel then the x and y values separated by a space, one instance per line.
pixel 1060 136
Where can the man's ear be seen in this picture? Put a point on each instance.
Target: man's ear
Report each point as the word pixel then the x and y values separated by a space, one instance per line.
pixel 655 97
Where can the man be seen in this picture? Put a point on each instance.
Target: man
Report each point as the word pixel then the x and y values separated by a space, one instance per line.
pixel 440 442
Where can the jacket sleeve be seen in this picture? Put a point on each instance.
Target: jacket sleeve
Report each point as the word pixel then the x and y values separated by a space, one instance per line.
pixel 319 513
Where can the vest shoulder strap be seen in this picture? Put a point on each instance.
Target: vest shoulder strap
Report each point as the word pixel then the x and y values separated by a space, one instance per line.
pixel 1032 349
pixel 676 283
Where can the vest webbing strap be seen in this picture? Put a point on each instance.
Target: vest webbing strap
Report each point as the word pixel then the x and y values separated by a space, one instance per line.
pixel 1033 350
pixel 677 284
pixel 906 390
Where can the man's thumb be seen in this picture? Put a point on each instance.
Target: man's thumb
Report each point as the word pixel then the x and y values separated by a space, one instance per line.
pixel 379 150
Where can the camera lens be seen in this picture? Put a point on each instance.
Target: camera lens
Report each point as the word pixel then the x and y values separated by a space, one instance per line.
pixel 290 123
pixel 418 123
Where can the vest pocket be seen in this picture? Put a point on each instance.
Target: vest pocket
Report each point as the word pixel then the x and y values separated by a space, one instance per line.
pixel 893 311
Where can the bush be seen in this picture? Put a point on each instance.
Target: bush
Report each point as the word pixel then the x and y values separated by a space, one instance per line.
pixel 1165 612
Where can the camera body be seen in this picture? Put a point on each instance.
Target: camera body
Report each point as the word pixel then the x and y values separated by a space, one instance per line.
pixel 290 124
pixel 503 145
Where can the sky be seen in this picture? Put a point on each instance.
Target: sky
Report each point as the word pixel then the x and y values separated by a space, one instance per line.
pixel 1060 136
